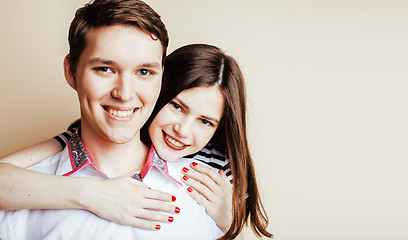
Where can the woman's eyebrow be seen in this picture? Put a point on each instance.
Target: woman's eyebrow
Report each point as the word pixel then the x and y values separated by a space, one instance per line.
pixel 202 116
pixel 211 119
pixel 182 103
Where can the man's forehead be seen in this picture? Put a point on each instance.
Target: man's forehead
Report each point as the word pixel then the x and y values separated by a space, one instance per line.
pixel 113 44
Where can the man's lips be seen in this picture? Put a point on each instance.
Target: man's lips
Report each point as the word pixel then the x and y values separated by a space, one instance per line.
pixel 173 143
pixel 120 112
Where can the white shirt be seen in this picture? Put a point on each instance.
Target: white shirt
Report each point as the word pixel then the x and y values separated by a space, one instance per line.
pixel 191 223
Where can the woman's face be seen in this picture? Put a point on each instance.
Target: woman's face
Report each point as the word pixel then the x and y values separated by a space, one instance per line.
pixel 187 123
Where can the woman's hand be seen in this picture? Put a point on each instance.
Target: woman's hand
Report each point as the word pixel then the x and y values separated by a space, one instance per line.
pixel 127 201
pixel 213 191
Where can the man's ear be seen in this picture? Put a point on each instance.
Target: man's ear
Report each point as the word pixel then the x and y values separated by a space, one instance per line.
pixel 69 73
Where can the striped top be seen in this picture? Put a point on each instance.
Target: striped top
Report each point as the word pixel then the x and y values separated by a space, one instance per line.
pixel 210 154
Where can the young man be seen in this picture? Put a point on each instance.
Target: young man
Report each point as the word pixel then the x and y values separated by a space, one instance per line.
pixel 115 64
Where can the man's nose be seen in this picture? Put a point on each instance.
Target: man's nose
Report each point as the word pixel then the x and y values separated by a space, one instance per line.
pixel 124 89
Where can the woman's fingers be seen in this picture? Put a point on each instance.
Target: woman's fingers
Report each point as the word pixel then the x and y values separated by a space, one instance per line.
pixel 198 186
pixel 150 215
pixel 198 197
pixel 129 202
pixel 203 175
pixel 160 206
pixel 141 223
pixel 224 176
pixel 206 171
pixel 215 182
pixel 159 195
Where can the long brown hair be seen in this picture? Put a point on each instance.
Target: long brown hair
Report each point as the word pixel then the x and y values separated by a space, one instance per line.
pixel 200 65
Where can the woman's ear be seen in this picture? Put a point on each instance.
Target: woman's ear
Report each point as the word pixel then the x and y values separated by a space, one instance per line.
pixel 69 73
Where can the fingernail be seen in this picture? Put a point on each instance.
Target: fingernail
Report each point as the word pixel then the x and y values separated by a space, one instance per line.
pixel 170 219
pixel 150 188
pixel 185 169
pixel 194 164
pixel 189 189
pixel 158 227
pixel 177 210
pixel 185 178
pixel 173 198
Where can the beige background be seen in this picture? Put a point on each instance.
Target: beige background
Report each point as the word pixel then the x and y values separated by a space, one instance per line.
pixel 327 85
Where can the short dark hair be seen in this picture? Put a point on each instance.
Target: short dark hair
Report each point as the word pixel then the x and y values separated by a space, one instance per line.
pixel 99 13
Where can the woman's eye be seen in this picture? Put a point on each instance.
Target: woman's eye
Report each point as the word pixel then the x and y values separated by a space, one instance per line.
pixel 176 106
pixel 145 72
pixel 206 122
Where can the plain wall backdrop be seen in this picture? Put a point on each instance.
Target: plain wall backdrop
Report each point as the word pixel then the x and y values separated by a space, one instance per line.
pixel 327 88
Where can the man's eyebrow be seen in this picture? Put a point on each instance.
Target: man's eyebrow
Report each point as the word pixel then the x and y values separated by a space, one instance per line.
pixel 99 60
pixel 151 65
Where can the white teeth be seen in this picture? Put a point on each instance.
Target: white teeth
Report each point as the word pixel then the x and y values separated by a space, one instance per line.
pixel 119 113
pixel 174 142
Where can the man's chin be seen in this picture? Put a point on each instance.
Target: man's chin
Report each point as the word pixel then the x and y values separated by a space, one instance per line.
pixel 119 137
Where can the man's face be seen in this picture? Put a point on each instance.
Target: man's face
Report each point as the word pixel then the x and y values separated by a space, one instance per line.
pixel 118 80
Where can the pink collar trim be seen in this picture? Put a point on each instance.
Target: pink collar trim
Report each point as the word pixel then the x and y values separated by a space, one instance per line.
pixel 153 160
pixel 80 157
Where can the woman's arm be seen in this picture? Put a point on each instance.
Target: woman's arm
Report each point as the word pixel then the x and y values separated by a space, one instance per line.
pixel 31 155
pixel 122 200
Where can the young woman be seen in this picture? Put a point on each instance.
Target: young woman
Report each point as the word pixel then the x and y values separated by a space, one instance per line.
pixel 201 106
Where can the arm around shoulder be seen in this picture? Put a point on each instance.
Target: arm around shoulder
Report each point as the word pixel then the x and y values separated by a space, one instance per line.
pixel 24 189
pixel 31 155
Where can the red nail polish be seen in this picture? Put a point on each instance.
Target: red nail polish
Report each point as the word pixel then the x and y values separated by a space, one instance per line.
pixel 189 189
pixel 173 198
pixel 170 219
pixel 177 210
pixel 185 178
pixel 158 227
pixel 185 169
pixel 194 164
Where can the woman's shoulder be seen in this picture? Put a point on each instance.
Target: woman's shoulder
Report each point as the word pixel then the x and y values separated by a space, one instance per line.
pixel 213 156
pixel 64 137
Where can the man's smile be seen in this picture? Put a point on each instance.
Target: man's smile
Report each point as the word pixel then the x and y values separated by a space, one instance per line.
pixel 120 113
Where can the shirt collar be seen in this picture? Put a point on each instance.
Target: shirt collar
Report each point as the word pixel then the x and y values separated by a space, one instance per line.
pixel 80 157
pixel 153 160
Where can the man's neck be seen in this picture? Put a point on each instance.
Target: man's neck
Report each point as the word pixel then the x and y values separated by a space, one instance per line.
pixel 113 159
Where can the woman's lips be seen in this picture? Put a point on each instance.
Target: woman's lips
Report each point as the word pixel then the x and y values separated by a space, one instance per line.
pixel 173 143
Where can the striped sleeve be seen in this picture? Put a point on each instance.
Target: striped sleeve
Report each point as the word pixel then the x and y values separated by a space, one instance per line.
pixel 215 158
pixel 64 137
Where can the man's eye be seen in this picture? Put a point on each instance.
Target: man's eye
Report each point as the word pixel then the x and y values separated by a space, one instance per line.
pixel 145 72
pixel 102 69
